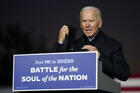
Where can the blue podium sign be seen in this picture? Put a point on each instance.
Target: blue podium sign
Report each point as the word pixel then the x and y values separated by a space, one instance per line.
pixel 55 71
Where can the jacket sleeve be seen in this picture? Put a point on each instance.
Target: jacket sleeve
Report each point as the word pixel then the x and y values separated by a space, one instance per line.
pixel 116 65
pixel 59 47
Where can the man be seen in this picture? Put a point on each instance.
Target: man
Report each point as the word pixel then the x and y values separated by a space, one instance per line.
pixel 109 50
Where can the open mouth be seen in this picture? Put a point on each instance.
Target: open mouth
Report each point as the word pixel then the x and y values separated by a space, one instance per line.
pixel 88 30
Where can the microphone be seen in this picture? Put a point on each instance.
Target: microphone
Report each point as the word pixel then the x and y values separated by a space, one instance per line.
pixel 71 38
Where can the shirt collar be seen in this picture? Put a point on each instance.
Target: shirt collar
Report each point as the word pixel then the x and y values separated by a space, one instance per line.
pixel 90 39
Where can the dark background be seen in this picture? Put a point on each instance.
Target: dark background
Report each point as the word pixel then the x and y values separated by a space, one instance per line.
pixel 32 26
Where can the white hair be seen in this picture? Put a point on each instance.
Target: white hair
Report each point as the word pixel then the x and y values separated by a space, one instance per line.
pixel 89 8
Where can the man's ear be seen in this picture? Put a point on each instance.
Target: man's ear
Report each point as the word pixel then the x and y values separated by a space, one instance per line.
pixel 100 23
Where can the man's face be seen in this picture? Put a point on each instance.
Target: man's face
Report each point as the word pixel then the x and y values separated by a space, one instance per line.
pixel 90 22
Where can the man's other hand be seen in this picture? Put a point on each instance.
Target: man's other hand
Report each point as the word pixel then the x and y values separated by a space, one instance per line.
pixel 91 48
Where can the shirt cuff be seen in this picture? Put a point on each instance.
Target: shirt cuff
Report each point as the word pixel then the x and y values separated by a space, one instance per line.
pixel 60 43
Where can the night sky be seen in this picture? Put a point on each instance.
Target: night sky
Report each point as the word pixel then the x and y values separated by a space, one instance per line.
pixel 32 26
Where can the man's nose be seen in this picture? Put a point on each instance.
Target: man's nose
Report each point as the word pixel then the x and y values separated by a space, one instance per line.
pixel 87 24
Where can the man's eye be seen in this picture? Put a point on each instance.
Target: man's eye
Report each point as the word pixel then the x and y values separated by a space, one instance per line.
pixel 83 20
pixel 92 20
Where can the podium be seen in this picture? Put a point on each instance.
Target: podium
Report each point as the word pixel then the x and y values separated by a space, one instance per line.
pixel 105 83
pixel 61 71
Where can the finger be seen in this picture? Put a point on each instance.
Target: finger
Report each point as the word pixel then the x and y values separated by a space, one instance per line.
pixel 89 47
pixel 66 29
pixel 86 47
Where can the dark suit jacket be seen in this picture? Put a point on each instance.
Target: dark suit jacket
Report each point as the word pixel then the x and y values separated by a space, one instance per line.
pixel 113 61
